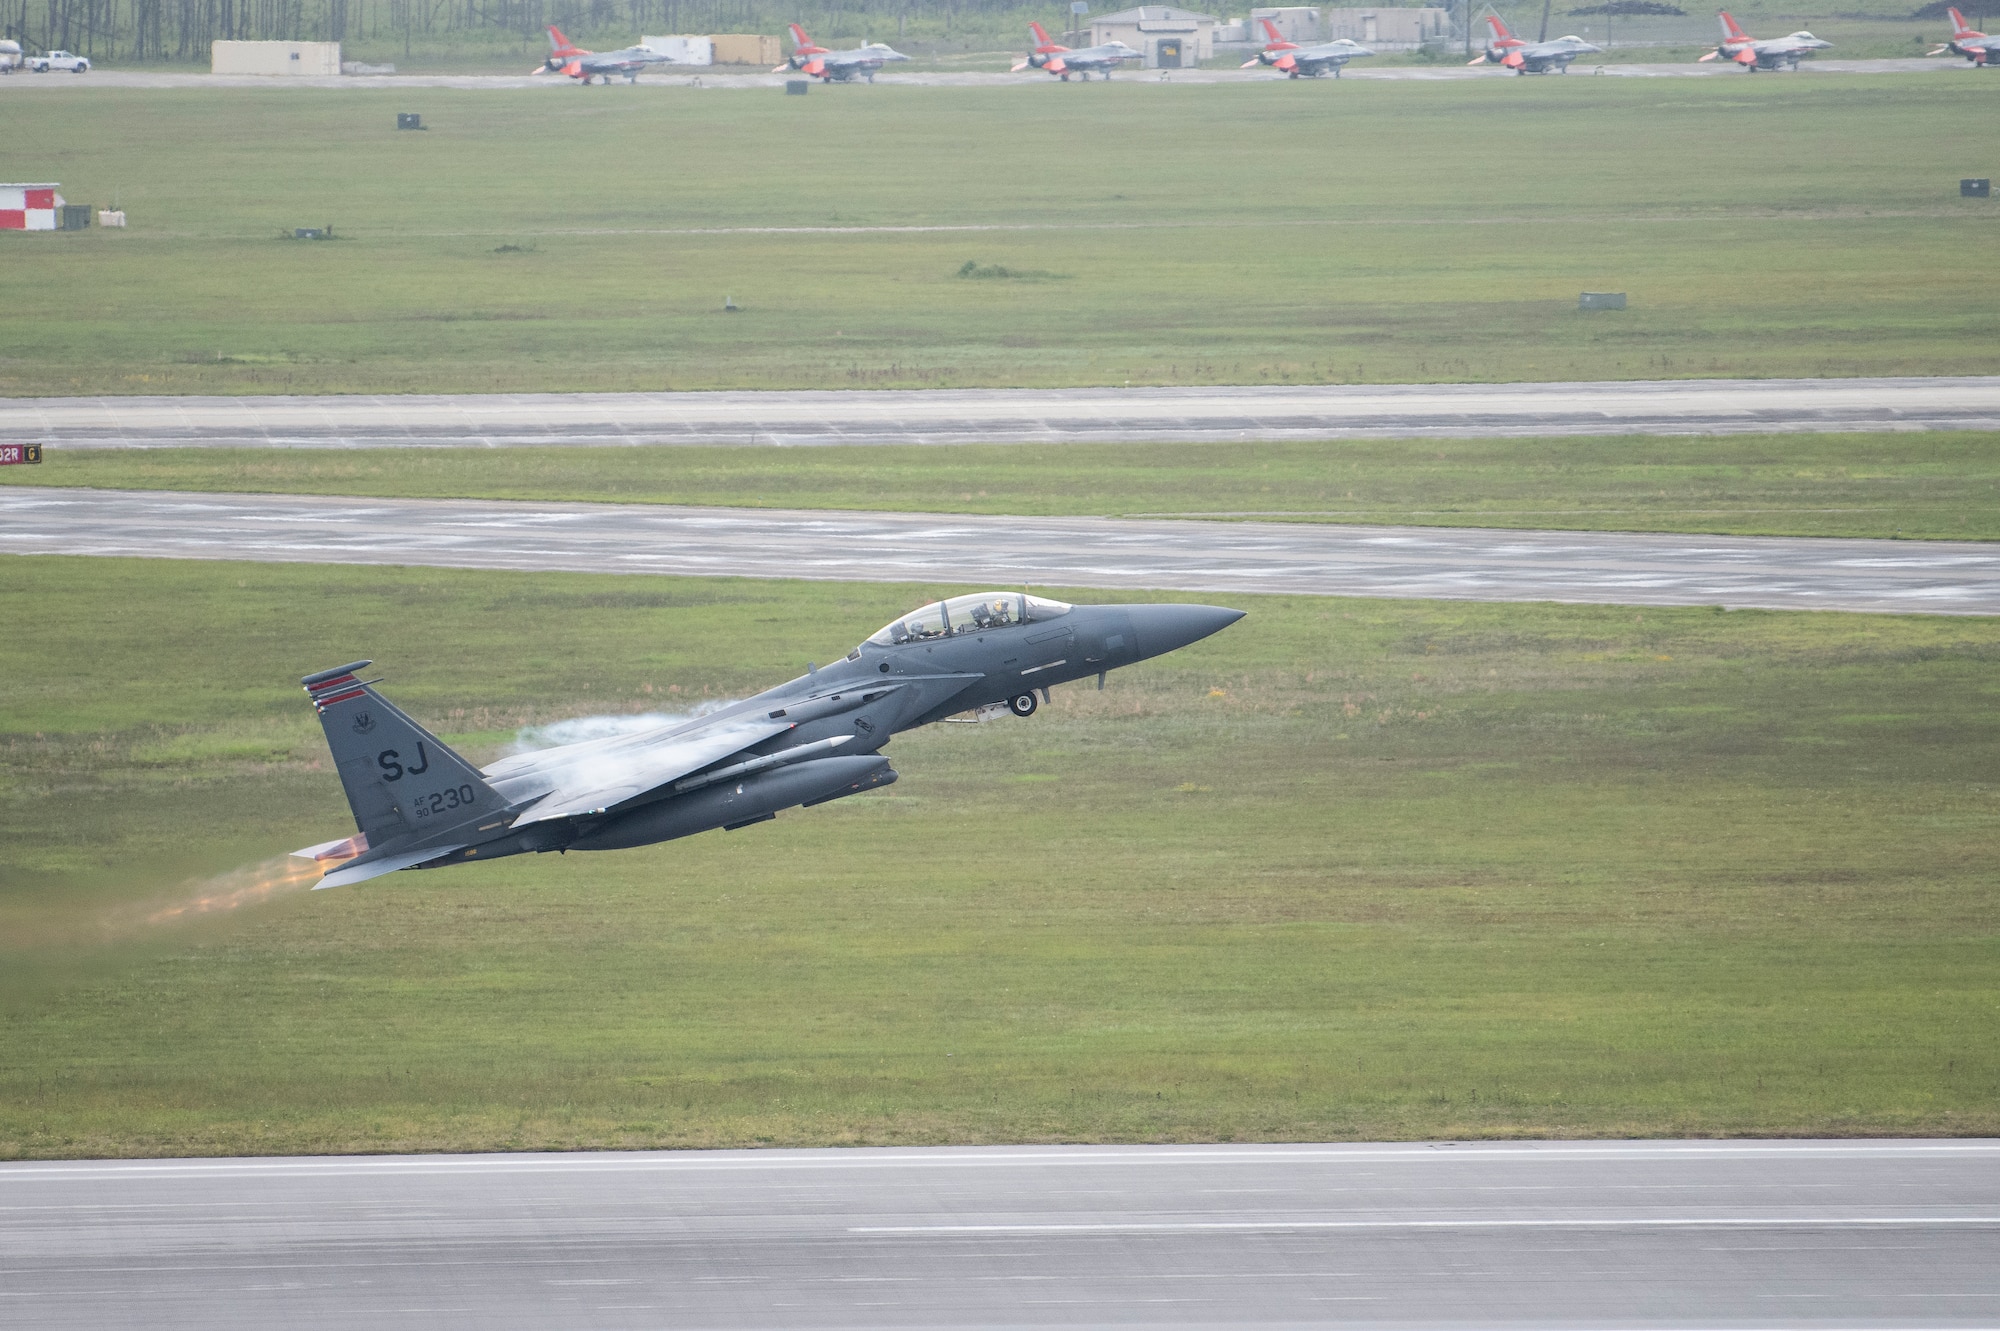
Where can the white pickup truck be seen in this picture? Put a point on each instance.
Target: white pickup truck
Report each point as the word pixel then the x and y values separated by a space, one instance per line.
pixel 42 64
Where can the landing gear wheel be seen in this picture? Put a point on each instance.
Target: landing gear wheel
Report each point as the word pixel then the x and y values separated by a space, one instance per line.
pixel 1022 704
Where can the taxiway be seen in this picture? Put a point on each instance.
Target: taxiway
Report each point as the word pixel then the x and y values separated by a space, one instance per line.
pixel 996 416
pixel 734 77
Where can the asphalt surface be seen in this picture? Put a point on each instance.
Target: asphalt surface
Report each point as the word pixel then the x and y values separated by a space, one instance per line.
pixel 691 77
pixel 1598 1234
pixel 1923 577
pixel 1077 415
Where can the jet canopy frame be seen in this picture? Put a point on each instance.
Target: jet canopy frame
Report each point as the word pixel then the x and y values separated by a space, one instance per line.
pixel 978 613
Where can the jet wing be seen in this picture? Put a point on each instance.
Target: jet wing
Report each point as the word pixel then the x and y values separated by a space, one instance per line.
pixel 590 778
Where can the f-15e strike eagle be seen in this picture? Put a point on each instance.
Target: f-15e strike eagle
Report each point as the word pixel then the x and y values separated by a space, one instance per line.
pixel 1525 57
pixel 836 66
pixel 818 738
pixel 1754 55
pixel 1052 58
pixel 1311 61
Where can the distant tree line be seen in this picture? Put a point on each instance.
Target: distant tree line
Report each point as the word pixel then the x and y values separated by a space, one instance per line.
pixel 139 31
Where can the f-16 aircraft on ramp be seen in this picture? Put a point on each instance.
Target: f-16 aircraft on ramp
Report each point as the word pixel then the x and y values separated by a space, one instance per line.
pixel 1975 46
pixel 1525 57
pixel 1052 58
pixel 1311 61
pixel 566 57
pixel 836 66
pixel 419 805
pixel 1754 55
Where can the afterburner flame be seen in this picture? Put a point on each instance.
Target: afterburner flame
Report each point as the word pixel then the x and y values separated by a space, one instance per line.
pixel 225 892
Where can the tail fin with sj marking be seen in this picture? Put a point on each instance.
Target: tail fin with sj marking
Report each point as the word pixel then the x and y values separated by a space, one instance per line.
pixel 413 798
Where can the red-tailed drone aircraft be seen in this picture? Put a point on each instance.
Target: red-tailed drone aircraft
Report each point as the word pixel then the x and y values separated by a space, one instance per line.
pixel 1754 55
pixel 1524 57
pixel 566 57
pixel 1311 61
pixel 836 66
pixel 1977 47
pixel 1063 62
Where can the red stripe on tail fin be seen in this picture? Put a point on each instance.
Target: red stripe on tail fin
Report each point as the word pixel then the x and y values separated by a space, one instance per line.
pixel 1731 28
pixel 1499 28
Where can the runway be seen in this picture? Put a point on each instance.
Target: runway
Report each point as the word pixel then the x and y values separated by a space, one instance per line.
pixel 999 416
pixel 1585 1234
pixel 1911 577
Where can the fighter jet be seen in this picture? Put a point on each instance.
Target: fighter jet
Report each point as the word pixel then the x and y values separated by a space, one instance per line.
pixel 419 805
pixel 1754 55
pixel 1977 47
pixel 1530 57
pixel 836 66
pixel 1063 62
pixel 1311 61
pixel 565 57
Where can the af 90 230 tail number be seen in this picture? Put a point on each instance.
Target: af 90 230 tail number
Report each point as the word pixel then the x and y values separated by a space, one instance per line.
pixel 439 801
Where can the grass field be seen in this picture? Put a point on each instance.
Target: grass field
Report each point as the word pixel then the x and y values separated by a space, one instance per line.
pixel 1937 484
pixel 572 239
pixel 1350 869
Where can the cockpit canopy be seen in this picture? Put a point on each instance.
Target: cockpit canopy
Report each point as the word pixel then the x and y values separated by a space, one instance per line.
pixel 968 614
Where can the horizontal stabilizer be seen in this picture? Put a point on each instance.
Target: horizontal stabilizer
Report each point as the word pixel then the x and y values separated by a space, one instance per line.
pixel 361 873
pixel 340 851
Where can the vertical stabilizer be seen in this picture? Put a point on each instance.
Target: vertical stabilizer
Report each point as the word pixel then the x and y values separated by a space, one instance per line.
pixel 407 789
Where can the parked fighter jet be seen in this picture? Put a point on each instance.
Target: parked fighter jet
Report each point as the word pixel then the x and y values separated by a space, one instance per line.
pixel 419 805
pixel 836 66
pixel 1977 47
pixel 1530 57
pixel 1311 61
pixel 566 57
pixel 1063 62
pixel 1754 55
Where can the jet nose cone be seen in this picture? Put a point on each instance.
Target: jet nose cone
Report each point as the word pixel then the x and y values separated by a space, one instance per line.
pixel 1167 628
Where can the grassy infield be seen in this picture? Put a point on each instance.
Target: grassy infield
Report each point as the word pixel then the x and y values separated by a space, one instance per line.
pixel 1350 869
pixel 1260 233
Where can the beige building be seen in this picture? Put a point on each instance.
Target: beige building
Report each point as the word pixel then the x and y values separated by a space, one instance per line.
pixel 1294 24
pixel 1387 28
pixel 280 59
pixel 746 48
pixel 1169 38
